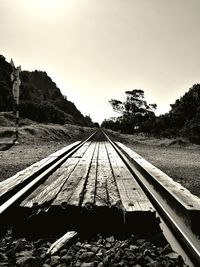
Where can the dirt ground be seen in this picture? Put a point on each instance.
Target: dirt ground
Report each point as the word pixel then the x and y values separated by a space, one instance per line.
pixel 20 156
pixel 181 164
pixel 35 143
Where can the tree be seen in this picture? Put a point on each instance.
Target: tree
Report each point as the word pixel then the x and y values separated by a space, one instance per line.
pixel 88 121
pixel 185 115
pixel 112 124
pixel 135 111
pixel 183 119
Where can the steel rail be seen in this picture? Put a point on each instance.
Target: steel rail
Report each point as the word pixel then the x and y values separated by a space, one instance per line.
pixel 185 237
pixel 40 177
pixel 50 160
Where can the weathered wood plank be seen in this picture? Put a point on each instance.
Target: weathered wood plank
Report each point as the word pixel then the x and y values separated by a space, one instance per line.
pixel 94 176
pixel 50 188
pixel 106 189
pixel 21 176
pixel 61 242
pixel 72 190
pixel 132 196
pixel 89 193
pixel 78 194
pixel 103 172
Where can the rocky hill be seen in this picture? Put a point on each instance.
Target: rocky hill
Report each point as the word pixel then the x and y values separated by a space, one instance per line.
pixel 40 99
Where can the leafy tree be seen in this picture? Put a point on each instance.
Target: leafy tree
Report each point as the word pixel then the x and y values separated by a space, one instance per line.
pixel 88 121
pixel 185 115
pixel 183 119
pixel 112 123
pixel 135 111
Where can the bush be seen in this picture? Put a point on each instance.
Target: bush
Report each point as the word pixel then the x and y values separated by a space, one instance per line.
pixel 42 112
pixel 192 131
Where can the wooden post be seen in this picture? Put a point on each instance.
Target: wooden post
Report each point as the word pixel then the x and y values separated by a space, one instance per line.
pixel 15 90
pixel 17 118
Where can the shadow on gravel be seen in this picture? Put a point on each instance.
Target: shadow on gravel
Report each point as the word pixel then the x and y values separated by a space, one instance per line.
pixel 4 147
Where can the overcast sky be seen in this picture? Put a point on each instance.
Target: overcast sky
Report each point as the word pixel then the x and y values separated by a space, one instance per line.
pixel 95 50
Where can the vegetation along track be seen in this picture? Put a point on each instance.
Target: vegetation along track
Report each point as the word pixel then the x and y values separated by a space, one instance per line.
pixel 90 180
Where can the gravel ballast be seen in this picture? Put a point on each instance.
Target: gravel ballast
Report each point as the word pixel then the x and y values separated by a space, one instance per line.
pixel 94 252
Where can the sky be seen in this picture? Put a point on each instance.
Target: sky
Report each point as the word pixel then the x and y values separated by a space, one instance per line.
pixel 95 50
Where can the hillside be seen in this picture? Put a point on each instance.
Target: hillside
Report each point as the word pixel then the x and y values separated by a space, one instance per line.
pixel 40 99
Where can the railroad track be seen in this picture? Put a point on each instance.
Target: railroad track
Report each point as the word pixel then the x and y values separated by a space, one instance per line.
pixel 99 184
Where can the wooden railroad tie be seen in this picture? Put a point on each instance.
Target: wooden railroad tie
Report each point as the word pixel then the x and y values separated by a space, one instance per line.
pixel 93 189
